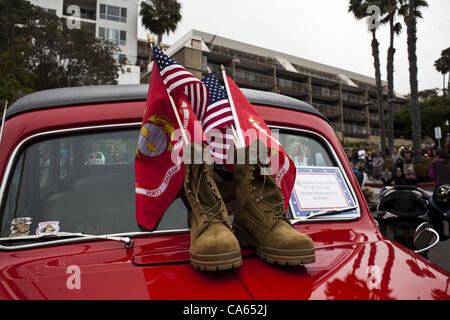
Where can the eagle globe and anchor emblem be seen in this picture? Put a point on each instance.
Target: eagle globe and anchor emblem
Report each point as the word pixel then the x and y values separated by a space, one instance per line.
pixel 155 137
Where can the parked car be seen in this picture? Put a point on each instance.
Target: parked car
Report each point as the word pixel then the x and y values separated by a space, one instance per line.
pixel 87 244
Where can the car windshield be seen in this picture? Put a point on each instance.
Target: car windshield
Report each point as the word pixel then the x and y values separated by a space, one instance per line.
pixel 85 182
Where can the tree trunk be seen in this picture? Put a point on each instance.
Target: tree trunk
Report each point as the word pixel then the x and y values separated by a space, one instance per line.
pixel 160 39
pixel 411 27
pixel 390 79
pixel 448 84
pixel 376 59
pixel 443 86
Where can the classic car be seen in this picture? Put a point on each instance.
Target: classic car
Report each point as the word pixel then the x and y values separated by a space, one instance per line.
pixel 68 225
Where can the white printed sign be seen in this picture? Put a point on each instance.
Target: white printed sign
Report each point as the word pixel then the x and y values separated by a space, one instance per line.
pixel 320 188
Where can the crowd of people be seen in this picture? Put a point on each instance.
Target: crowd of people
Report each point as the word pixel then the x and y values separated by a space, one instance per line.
pixel 401 168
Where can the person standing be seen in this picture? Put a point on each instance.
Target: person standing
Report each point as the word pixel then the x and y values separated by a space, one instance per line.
pixel 397 161
pixel 377 165
pixel 439 169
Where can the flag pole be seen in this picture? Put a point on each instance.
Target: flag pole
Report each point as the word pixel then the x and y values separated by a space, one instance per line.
pixel 174 108
pixel 235 138
pixel 237 133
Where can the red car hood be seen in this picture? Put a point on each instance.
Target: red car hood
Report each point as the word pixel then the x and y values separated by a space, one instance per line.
pixel 158 268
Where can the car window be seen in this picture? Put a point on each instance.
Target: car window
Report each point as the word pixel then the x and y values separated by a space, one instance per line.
pixel 320 183
pixel 83 181
pixel 305 151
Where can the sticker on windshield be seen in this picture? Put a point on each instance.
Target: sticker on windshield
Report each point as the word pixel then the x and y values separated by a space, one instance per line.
pixel 318 189
pixel 20 227
pixel 49 227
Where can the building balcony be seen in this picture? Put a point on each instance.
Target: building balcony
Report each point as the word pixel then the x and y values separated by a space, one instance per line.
pixel 353 99
pixel 218 71
pixel 374 131
pixel 87 8
pixel 352 130
pixel 253 80
pixel 329 111
pixel 245 56
pixel 354 115
pixel 325 93
pixel 374 118
pixel 292 87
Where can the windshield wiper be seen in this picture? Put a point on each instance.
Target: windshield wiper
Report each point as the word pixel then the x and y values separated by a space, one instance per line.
pixel 126 240
pixel 325 212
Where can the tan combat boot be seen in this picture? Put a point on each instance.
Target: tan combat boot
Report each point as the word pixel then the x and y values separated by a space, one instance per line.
pixel 213 244
pixel 261 221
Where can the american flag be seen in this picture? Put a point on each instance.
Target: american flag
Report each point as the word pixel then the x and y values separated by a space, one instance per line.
pixel 175 77
pixel 218 115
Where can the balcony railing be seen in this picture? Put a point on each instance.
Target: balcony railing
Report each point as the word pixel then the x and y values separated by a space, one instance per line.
pixel 353 98
pixel 325 92
pixel 327 110
pixel 374 117
pixel 245 56
pixel 86 12
pixel 218 71
pixel 253 77
pixel 293 85
pixel 354 115
pixel 355 131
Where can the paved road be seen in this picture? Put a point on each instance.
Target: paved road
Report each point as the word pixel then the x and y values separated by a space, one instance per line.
pixel 440 254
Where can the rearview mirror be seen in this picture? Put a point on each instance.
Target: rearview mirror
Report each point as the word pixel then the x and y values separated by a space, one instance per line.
pixel 425 237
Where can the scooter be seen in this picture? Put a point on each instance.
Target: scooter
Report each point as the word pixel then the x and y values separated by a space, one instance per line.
pixel 412 217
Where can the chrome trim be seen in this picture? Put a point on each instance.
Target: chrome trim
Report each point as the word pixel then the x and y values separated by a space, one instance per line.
pixel 87 238
pixel 344 174
pixel 431 245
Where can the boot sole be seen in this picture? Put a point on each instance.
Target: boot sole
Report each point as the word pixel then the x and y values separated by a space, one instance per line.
pixel 214 262
pixel 275 256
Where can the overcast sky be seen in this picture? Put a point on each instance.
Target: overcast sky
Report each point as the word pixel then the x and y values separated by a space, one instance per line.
pixel 321 31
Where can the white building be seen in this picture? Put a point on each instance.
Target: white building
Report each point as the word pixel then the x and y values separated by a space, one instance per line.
pixel 112 20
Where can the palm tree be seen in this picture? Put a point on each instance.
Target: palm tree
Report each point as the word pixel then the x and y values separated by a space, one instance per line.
pixel 410 12
pixel 160 16
pixel 391 7
pixel 359 10
pixel 442 65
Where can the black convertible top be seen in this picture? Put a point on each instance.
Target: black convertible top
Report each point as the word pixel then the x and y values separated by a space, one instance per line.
pixel 120 93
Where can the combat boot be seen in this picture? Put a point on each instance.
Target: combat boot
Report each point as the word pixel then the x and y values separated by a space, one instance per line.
pixel 261 221
pixel 213 244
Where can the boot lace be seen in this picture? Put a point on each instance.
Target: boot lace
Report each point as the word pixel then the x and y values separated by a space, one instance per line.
pixel 275 208
pixel 213 213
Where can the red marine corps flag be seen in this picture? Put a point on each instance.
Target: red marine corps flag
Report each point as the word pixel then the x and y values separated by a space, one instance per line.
pixel 249 123
pixel 168 124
